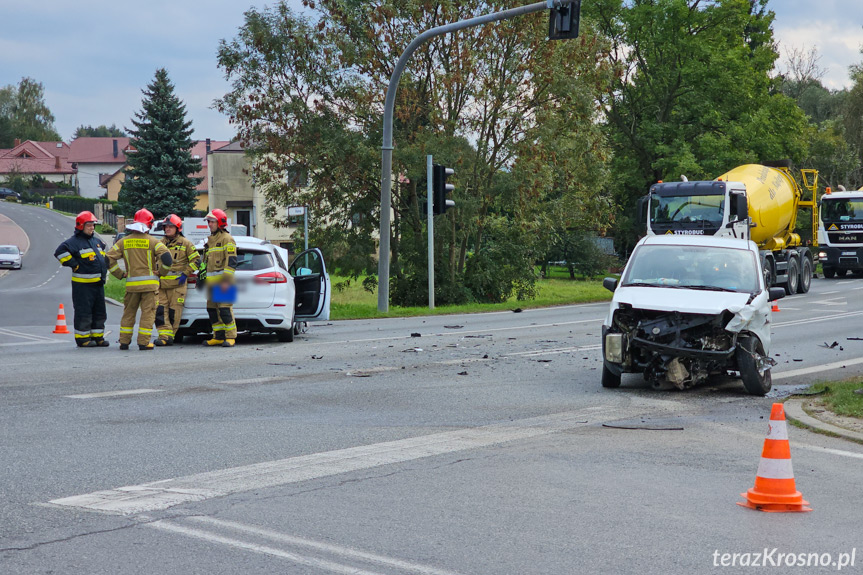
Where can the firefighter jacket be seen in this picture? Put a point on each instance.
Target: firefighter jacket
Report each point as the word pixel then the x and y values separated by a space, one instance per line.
pixel 185 257
pixel 86 256
pixel 220 258
pixel 142 254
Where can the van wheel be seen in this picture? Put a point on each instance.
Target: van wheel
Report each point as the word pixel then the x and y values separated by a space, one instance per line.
pixel 755 383
pixel 805 276
pixel 829 272
pixel 608 378
pixel 793 276
pixel 285 335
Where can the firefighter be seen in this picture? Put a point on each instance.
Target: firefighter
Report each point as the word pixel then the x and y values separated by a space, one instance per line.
pixel 220 260
pixel 85 254
pixel 172 287
pixel 141 253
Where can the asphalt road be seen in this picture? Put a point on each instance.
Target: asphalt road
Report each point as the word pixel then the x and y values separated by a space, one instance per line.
pixel 477 448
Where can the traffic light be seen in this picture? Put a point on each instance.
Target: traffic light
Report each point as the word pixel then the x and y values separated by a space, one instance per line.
pixel 440 189
pixel 563 19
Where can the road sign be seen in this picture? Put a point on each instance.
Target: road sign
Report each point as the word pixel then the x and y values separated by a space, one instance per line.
pixel 296 211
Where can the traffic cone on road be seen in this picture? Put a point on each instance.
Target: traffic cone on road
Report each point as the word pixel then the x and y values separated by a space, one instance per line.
pixel 775 307
pixel 775 489
pixel 60 327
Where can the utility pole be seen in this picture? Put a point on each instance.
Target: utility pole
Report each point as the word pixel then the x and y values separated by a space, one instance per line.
pixel 556 6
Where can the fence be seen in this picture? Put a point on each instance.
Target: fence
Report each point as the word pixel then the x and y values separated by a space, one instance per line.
pixel 104 211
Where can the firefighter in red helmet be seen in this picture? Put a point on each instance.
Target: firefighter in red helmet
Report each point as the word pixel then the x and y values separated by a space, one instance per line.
pixel 172 287
pixel 85 254
pixel 141 253
pixel 220 259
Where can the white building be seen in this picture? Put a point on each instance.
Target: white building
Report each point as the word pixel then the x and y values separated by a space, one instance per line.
pixel 95 157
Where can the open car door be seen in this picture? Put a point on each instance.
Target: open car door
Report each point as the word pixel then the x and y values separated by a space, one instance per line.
pixel 311 285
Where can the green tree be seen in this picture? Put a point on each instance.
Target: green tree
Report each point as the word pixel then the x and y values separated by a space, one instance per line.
pixel 161 167
pixel 693 96
pixel 504 107
pixel 24 114
pixel 101 131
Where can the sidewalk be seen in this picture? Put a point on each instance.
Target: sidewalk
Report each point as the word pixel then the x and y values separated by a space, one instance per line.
pixel 794 411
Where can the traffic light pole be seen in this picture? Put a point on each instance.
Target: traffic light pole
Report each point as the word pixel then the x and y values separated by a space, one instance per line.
pixel 389 107
pixel 430 213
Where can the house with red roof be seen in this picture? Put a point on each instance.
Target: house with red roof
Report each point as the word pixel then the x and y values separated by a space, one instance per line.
pixel 47 159
pixel 97 158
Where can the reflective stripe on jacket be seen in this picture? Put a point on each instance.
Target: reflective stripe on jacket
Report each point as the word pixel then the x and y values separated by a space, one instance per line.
pixel 185 257
pixel 220 256
pixel 85 255
pixel 142 255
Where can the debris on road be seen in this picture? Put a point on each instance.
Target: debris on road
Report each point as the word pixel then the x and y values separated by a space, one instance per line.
pixel 854 338
pixel 462 373
pixel 416 334
pixel 412 350
pixel 317 357
pixel 517 310
pixel 543 361
pixel 453 326
pixel 832 345
pixel 646 427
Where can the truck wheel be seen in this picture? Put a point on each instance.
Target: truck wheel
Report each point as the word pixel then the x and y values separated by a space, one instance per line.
pixel 767 272
pixel 793 276
pixel 840 272
pixel 609 379
pixel 829 272
pixel 805 276
pixel 754 382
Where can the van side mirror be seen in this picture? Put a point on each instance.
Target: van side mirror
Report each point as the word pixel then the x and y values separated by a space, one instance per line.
pixel 642 208
pixel 775 293
pixel 610 284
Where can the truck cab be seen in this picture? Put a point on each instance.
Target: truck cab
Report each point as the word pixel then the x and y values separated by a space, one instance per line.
pixel 840 233
pixel 708 208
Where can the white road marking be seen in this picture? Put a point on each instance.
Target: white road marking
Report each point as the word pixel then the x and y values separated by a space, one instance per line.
pixel 817 368
pixel 795 445
pixel 829 292
pixel 857 288
pixel 344 552
pixel 554 351
pixel 9 332
pixel 30 343
pixel 121 393
pixel 255 380
pixel 159 495
pixel 817 319
pixel 263 549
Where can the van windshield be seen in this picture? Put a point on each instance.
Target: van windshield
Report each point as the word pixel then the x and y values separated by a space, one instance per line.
pixel 693 267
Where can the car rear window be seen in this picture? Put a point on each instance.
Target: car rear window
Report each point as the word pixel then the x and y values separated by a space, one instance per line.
pixel 250 261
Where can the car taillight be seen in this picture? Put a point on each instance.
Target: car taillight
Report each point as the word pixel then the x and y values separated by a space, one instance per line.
pixel 271 278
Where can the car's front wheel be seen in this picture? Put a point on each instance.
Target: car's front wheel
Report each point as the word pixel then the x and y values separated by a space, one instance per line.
pixel 609 379
pixel 747 353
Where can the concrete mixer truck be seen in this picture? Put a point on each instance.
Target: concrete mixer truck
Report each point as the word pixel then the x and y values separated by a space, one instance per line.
pixel 751 202
pixel 840 233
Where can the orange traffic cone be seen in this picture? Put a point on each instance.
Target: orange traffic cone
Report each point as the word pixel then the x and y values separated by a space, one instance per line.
pixel 774 308
pixel 61 321
pixel 775 489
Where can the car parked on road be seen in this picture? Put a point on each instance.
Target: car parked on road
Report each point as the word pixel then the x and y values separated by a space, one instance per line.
pixel 687 308
pixel 272 297
pixel 10 257
pixel 7 193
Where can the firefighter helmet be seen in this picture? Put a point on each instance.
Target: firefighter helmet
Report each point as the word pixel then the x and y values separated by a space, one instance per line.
pixel 218 216
pixel 85 218
pixel 143 216
pixel 174 220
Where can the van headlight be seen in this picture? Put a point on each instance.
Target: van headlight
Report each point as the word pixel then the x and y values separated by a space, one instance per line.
pixel 614 347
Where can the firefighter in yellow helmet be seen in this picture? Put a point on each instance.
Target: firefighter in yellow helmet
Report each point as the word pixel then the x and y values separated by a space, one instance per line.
pixel 172 287
pixel 220 261
pixel 141 254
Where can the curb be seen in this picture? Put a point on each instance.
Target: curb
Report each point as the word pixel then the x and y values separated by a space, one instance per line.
pixel 794 410
pixel 112 301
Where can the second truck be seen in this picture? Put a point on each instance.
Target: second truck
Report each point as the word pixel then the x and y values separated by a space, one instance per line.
pixel 840 233
pixel 752 202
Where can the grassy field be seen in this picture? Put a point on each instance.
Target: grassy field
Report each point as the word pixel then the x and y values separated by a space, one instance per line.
pixel 840 398
pixel 354 302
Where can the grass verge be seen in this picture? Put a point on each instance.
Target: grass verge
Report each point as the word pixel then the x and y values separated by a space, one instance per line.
pixel 115 289
pixel 839 397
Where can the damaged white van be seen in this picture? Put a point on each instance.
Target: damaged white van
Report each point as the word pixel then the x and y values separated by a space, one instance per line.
pixel 686 308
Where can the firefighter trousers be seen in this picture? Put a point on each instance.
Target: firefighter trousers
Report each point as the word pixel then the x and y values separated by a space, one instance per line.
pixel 88 302
pixel 170 311
pixel 146 302
pixel 222 320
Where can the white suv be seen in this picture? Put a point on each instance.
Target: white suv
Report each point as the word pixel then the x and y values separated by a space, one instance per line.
pixel 271 296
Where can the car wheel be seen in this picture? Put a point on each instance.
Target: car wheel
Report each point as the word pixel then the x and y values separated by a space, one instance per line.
pixel 179 337
pixel 829 273
pixel 609 379
pixel 285 335
pixel 755 383
pixel 805 276
pixel 793 276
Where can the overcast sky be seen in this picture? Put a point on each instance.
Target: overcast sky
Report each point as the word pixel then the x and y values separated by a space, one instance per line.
pixel 95 56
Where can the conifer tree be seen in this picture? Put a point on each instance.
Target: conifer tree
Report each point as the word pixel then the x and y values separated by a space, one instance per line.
pixel 161 166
